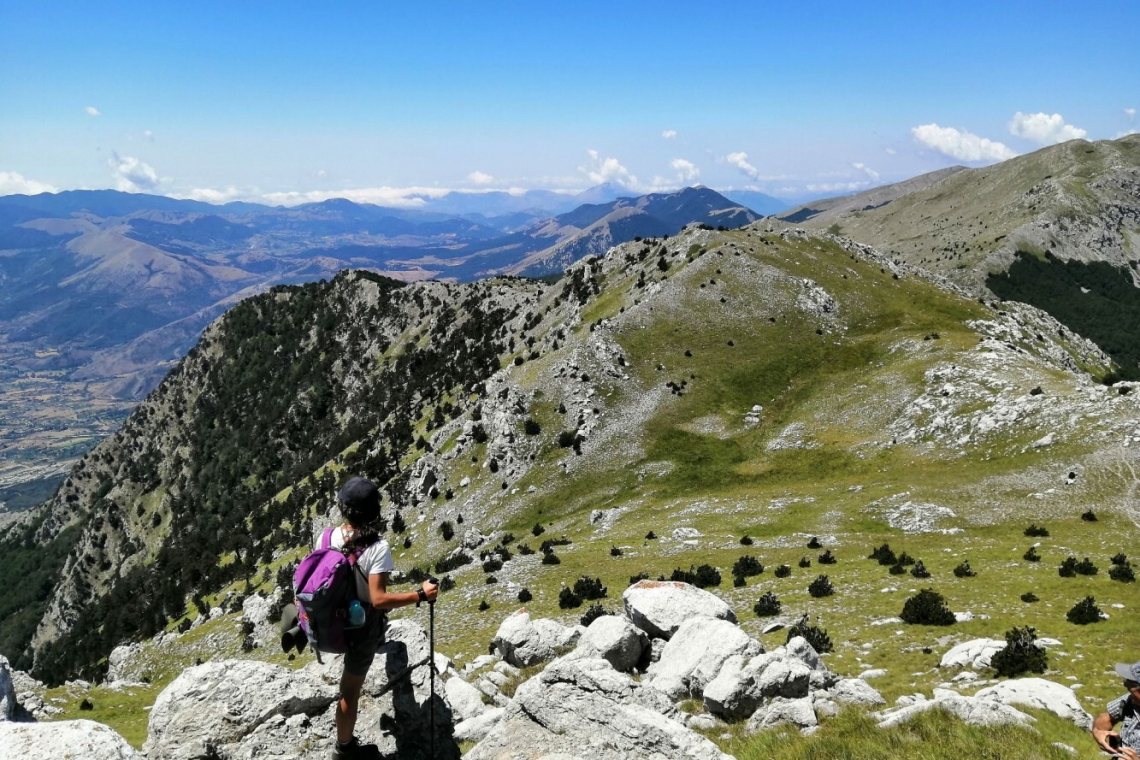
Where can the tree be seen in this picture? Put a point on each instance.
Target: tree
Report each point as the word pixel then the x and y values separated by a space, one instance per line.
pixel 1021 654
pixel 927 607
pixel 821 587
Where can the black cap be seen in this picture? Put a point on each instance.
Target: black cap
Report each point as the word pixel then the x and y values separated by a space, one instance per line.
pixel 359 501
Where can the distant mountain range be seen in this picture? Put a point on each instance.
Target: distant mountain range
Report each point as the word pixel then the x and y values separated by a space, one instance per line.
pixel 105 290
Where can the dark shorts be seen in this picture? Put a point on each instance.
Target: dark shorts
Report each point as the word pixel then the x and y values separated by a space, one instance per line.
pixel 363 643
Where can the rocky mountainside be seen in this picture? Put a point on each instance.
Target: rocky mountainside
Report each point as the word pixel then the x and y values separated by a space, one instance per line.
pixel 1058 228
pixel 101 292
pixel 702 387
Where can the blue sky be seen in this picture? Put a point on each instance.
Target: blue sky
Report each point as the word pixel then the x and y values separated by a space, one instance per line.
pixel 296 101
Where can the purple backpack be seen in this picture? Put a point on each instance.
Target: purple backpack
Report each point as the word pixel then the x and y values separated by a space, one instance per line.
pixel 324 588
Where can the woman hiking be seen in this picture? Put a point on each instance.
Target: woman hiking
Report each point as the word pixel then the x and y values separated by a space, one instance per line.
pixel 359 501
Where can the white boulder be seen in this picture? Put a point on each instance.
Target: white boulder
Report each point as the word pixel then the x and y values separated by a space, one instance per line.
pixel 694 656
pixel 615 640
pixel 975 654
pixel 799 712
pixel 856 691
pixel 61 739
pixel 660 607
pixel 585 708
pixel 523 642
pixel 1042 694
pixel 476 728
pixel 466 701
pixel 971 710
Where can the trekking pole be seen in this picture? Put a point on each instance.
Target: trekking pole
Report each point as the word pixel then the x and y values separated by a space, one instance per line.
pixel 431 668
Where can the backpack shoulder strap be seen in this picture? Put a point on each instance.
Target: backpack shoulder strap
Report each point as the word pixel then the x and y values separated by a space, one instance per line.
pixel 326 538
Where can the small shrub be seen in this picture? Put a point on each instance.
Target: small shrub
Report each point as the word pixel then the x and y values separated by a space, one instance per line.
pixel 525 595
pixel 568 600
pixel 1086 567
pixel 447 530
pixel 1068 568
pixel 1029 597
pixel 884 556
pixel 589 588
pixel 815 635
pixel 504 553
pixel 783 571
pixel 1084 612
pixel 537 530
pixel 479 433
pixel 184 626
pixel 507 539
pixel 919 570
pixel 707 577
pixel 593 612
pixel 1122 573
pixel 739 581
pixel 905 559
pixel 637 578
pixel 963 570
pixel 453 562
pixel 615 552
pixel 1021 654
pixel 484 606
pixel 814 543
pixel 1031 555
pixel 446 583
pixel 897 569
pixel 524 550
pixel 86 704
pixel 285 575
pixel 492 565
pixel 551 559
pixel 1120 558
pixel 1089 516
pixel 567 438
pixel 650 536
pixel 746 540
pixel 398 524
pixel 747 566
pixel 407 542
pixel 768 605
pixel 821 587
pixel 1036 531
pixel 804 562
pixel 531 426
pixel 827 558
pixel 927 607
pixel 490 579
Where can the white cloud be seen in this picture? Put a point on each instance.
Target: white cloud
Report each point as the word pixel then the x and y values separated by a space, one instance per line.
pixel 669 134
pixel 1131 112
pixel 132 175
pixel 1043 128
pixel 891 151
pixel 13 183
pixel 740 161
pixel 92 111
pixel 480 178
pixel 960 144
pixel 687 171
pixel 393 197
pixel 210 195
pixel 836 187
pixel 603 170
pixel 148 135
pixel 321 173
pixel 874 175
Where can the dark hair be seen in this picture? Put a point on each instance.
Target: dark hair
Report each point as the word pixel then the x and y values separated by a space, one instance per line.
pixel 359 502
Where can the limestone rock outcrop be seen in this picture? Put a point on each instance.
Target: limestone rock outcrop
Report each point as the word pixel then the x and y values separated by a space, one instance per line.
pixel 660 607
pixel 1039 693
pixel 585 708
pixel 615 640
pixel 64 739
pixel 524 642
pixel 695 654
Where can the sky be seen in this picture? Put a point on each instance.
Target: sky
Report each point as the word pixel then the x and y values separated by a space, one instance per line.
pixel 391 102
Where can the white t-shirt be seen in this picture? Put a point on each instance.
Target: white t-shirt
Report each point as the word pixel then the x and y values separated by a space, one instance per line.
pixel 376 559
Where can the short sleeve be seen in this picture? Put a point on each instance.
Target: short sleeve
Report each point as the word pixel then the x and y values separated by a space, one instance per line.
pixel 1115 708
pixel 378 559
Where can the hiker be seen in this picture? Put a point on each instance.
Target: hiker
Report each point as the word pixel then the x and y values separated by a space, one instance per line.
pixel 359 537
pixel 1124 710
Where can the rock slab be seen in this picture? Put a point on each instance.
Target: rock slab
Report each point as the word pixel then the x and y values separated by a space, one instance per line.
pixel 585 708
pixel 1042 694
pixel 695 655
pixel 660 607
pixel 615 640
pixel 64 739
pixel 523 642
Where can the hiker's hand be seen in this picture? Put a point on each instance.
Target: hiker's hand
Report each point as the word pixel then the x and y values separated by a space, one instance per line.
pixel 431 590
pixel 1127 752
pixel 1101 737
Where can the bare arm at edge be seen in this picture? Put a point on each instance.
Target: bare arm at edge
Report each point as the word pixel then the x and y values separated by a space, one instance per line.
pixel 382 599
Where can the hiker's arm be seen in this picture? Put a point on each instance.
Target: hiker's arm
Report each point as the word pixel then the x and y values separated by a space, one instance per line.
pixel 1102 730
pixel 382 599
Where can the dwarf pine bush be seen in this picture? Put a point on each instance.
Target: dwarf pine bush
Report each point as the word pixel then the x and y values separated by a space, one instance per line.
pixel 1031 555
pixel 642 576
pixel 1029 597
pixel 492 565
pixel 884 556
pixel 1068 568
pixel 827 558
pixel 1036 531
pixel 897 569
pixel 814 543
pixel 804 562
pixel 593 612
pixel 963 570
pixel 1086 567
pixel 484 606
pixel 919 570
pixel 1084 612
pixel 927 607
pixel 1119 558
pixel 447 530
pixel 1089 516
pixel 768 605
pixel 746 540
pixel 615 552
pixel 814 635
pixel 1122 573
pixel 524 549
pixel 747 566
pixel 739 581
pixel 568 600
pixel 589 588
pixel 905 560
pixel 525 595
pixel 1021 654
pixel 821 587
pixel 551 559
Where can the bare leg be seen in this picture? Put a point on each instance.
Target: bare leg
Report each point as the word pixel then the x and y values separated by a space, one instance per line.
pixel 346 708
